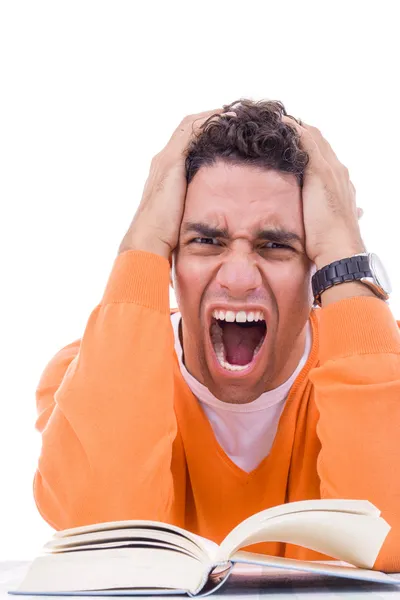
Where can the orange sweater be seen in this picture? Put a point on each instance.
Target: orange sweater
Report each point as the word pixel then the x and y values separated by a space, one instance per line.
pixel 123 437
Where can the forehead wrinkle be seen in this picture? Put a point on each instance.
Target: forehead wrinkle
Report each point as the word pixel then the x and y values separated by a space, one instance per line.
pixel 215 220
pixel 219 221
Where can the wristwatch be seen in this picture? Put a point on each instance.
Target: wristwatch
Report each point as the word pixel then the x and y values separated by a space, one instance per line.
pixel 365 267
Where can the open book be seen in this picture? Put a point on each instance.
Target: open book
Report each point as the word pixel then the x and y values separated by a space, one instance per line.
pixel 148 557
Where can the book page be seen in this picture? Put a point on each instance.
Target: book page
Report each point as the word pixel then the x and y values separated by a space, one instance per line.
pixel 354 538
pixel 124 537
pixel 103 532
pixel 130 544
pixel 255 522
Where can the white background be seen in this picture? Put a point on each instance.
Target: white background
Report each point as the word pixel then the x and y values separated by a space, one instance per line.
pixel 90 91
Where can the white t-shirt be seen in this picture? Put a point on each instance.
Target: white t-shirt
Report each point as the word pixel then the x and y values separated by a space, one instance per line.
pixel 245 431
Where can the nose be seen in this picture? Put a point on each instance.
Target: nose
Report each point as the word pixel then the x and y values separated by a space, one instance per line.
pixel 239 275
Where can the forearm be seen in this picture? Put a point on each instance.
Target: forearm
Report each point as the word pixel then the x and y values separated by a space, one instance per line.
pixel 107 444
pixel 357 392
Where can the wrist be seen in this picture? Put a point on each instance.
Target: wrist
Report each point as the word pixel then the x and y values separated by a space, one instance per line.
pixel 337 253
pixel 145 242
pixel 350 289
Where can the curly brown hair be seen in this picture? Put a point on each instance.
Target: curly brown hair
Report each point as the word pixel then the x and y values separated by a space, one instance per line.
pixel 256 136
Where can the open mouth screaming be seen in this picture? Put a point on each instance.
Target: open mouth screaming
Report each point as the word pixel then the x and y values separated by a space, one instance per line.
pixel 237 338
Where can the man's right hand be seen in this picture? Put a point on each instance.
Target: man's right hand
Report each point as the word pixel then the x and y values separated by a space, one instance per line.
pixel 156 224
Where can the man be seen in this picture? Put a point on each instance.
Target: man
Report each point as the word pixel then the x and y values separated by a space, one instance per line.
pixel 249 396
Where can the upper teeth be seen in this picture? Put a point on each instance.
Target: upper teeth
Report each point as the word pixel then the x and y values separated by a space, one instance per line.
pixel 240 316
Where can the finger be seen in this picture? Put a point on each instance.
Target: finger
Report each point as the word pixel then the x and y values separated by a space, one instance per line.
pixel 204 115
pixel 210 116
pixel 190 125
pixel 187 127
pixel 307 142
pixel 324 146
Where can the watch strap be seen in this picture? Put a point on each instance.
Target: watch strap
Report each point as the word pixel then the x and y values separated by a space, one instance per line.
pixel 353 268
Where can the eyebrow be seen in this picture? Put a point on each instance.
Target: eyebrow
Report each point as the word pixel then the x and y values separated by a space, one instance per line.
pixel 279 235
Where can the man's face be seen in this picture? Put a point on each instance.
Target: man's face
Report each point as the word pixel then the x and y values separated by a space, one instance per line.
pixel 240 269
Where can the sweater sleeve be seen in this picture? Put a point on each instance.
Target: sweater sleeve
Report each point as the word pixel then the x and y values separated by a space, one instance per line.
pixel 106 411
pixel 357 392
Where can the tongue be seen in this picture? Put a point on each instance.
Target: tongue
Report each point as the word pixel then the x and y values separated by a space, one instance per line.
pixel 240 343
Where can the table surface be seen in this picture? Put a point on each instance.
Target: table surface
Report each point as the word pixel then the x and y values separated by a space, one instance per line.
pixel 245 581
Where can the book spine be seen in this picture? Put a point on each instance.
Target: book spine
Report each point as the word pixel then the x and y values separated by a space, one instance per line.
pixel 213 579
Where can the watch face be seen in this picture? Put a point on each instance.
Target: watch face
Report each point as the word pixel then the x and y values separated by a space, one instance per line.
pixel 380 273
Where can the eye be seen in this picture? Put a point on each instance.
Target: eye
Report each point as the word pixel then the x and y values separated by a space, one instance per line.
pixel 275 244
pixel 204 240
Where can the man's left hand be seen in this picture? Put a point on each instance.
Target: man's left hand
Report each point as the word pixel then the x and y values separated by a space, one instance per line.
pixel 329 204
